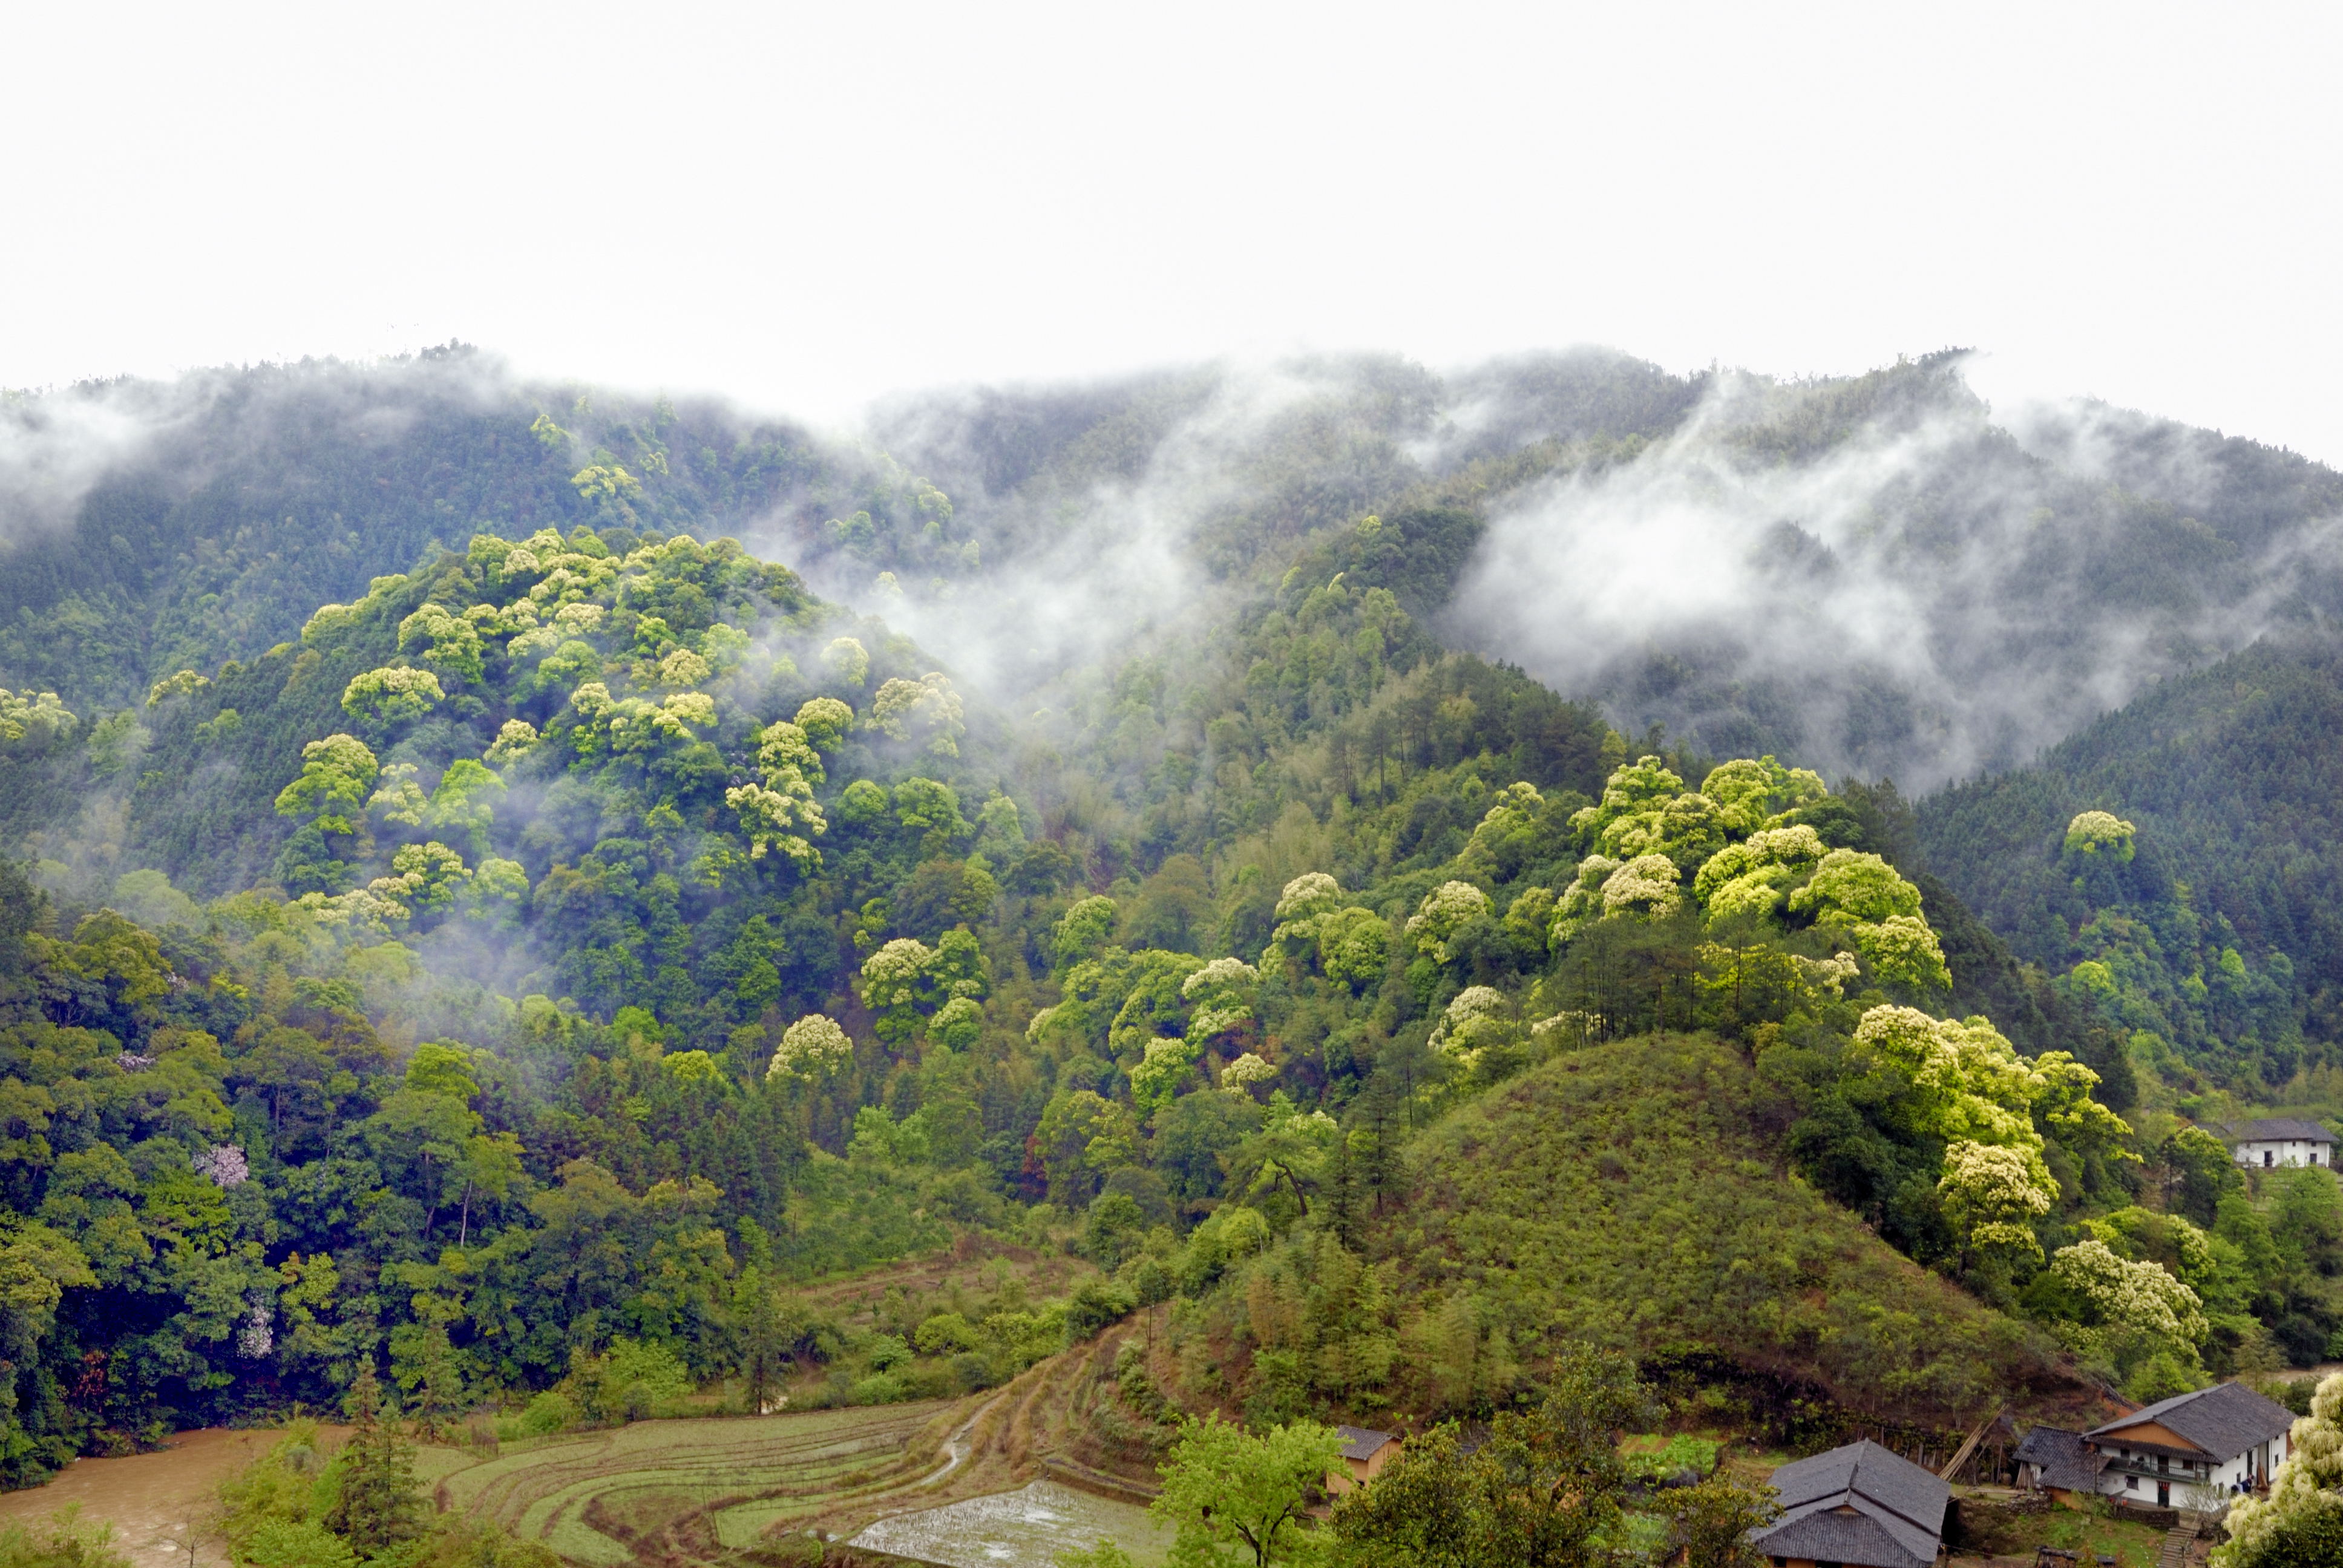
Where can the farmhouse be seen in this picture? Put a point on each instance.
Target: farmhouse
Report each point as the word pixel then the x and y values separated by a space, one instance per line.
pixel 1859 1505
pixel 2055 1460
pixel 2195 1451
pixel 1366 1451
pixel 2270 1144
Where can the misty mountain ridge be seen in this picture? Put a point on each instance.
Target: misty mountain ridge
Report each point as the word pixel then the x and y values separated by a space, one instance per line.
pixel 1868 576
pixel 1876 578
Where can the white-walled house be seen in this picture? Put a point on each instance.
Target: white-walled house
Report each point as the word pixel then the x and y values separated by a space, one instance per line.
pixel 2195 1451
pixel 2268 1145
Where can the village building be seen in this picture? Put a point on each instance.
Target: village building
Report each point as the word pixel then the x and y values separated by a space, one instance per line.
pixel 2272 1145
pixel 2202 1448
pixel 2195 1451
pixel 2057 1462
pixel 1366 1451
pixel 1859 1505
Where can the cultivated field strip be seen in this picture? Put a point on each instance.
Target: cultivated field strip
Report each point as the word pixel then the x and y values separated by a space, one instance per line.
pixel 570 1492
pixel 689 1492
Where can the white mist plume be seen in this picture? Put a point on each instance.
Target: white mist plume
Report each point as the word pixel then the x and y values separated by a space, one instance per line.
pixel 55 447
pixel 1925 598
pixel 1076 576
pixel 58 445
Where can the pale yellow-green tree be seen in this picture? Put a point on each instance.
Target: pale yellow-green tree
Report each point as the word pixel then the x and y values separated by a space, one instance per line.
pixel 1991 1196
pixel 1447 912
pixel 36 718
pixel 400 798
pixel 465 800
pixel 926 711
pixel 1350 945
pixel 1221 995
pixel 1581 903
pixel 780 813
pixel 450 644
pixel 2300 1524
pixel 1749 792
pixel 392 695
pixel 813 1047
pixel 335 775
pixel 1966 1082
pixel 425 878
pixel 1648 886
pixel 1640 789
pixel 1752 877
pixel 2135 1315
pixel 1865 901
pixel 825 721
pixel 847 659
pixel 1301 907
pixel 2100 834
pixel 516 741
pixel 1477 1020
pixel 1498 841
pixel 185 683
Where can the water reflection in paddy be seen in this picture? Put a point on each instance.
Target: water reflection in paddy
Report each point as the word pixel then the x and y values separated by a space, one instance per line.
pixel 1025 1528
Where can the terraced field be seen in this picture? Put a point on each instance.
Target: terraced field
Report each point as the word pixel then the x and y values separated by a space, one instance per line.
pixel 715 1489
pixel 609 1498
pixel 706 1491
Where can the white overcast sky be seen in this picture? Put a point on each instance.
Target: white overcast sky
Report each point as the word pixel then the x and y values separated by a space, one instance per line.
pixel 806 206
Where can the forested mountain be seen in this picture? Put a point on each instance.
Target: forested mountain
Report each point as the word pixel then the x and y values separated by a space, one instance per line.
pixel 1878 577
pixel 2206 922
pixel 516 881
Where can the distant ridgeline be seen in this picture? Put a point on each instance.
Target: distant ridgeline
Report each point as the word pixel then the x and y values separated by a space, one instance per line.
pixel 2180 864
pixel 247 499
pixel 538 962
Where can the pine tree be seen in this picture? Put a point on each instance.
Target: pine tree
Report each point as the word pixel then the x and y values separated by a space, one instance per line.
pixel 378 1503
pixel 763 1342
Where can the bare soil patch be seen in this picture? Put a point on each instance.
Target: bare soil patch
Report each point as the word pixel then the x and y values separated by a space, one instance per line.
pixel 153 1500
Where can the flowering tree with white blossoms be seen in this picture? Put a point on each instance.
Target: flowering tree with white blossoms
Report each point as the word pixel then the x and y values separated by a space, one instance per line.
pixel 811 1049
pixel 2300 1524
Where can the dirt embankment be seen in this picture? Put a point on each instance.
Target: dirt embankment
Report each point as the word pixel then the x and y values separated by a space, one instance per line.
pixel 152 1499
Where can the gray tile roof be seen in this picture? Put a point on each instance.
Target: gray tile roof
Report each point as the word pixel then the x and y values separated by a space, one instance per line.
pixel 2064 1462
pixel 1360 1442
pixel 1860 1506
pixel 2224 1420
pixel 2281 1130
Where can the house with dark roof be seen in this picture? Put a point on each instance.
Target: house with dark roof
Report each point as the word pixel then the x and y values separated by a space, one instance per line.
pixel 2052 1460
pixel 2193 1451
pixel 2267 1145
pixel 1366 1451
pixel 1859 1505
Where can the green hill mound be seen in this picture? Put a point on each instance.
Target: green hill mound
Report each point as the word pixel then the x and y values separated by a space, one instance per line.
pixel 1633 1193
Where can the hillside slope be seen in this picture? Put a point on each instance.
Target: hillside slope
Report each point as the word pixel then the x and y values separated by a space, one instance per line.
pixel 2222 933
pixel 1633 1193
pixel 214 512
pixel 1880 576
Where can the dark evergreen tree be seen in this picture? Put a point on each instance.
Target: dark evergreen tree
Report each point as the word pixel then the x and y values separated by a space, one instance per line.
pixel 378 1506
